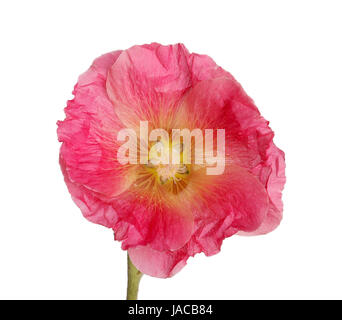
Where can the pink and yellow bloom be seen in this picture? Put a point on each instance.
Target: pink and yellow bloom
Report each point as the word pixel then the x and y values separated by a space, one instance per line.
pixel 162 214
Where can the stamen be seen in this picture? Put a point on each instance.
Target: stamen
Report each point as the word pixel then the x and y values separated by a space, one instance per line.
pixel 150 165
pixel 182 169
pixel 171 177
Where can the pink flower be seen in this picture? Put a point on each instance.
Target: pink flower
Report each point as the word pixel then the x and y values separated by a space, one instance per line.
pixel 163 224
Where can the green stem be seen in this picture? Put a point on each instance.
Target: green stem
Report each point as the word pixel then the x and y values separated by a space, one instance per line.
pixel 134 276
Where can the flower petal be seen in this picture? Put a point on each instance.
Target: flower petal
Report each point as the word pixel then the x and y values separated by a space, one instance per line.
pixel 148 80
pixel 161 227
pixel 274 184
pixel 222 103
pixel 92 207
pixel 237 195
pixel 204 68
pixel 89 133
pixel 157 263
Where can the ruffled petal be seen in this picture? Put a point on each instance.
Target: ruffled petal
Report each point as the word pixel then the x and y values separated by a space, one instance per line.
pixel 274 185
pixel 222 103
pixel 89 134
pixel 237 201
pixel 232 202
pixel 157 263
pixel 204 68
pixel 246 198
pixel 162 227
pixel 146 81
pixel 91 206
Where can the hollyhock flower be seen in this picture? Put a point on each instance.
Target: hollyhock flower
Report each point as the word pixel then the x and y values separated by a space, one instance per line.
pixel 164 214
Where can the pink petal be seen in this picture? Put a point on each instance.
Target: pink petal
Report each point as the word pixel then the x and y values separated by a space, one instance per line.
pixel 89 134
pixel 157 263
pixel 275 184
pixel 204 68
pixel 92 207
pixel 236 201
pixel 162 227
pixel 146 80
pixel 222 103
pixel 246 198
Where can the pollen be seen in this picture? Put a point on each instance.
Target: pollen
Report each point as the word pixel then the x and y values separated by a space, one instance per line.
pixel 172 173
pixel 162 173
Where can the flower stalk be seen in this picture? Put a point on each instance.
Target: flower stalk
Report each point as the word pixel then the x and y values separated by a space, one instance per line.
pixel 133 280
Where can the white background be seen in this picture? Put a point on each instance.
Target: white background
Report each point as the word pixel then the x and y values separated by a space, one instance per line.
pixel 286 54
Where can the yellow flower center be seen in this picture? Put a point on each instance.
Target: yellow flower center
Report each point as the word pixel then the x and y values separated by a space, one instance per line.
pixel 173 177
